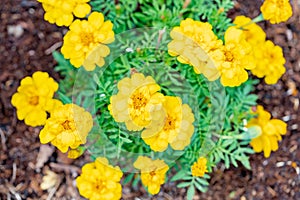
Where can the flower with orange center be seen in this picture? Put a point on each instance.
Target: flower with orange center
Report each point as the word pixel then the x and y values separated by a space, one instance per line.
pixel 176 130
pixel 137 102
pixel 152 173
pixel 238 57
pixel 199 168
pixel 34 98
pixel 100 180
pixel 276 11
pixel 68 126
pixel 269 132
pixel 86 41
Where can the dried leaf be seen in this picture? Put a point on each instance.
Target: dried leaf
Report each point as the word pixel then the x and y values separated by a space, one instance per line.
pixel 49 180
pixel 44 154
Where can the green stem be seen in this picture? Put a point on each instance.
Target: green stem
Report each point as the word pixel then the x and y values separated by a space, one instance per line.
pixel 257 19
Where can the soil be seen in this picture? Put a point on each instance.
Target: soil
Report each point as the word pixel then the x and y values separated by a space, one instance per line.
pixel 26 43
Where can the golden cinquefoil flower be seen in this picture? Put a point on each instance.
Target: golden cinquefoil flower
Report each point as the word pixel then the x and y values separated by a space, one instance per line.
pixel 152 173
pixel 61 12
pixel 137 103
pixel 194 43
pixel 99 180
pixel 68 126
pixel 177 128
pixel 34 98
pixel 238 57
pixel 271 62
pixel 253 33
pixel 269 132
pixel 86 41
pixel 199 168
pixel 276 11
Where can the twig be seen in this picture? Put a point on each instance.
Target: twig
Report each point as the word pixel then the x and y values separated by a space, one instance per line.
pixel 11 189
pixel 3 140
pixel 14 174
pixel 160 35
pixel 53 48
pixel 186 4
pixel 53 190
pixel 65 168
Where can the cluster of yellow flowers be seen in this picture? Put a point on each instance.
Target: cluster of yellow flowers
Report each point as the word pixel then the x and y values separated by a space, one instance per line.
pixel 195 43
pixel 162 120
pixel 86 41
pixel 165 119
pixel 61 12
pixel 199 168
pixel 99 180
pixel 276 11
pixel 67 126
pixel 269 132
pixel 245 48
pixel 269 57
pixel 152 172
pixel 85 44
pixel 34 98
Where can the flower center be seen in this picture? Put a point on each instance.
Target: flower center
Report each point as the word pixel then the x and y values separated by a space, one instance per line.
pixel 100 185
pixel 170 123
pixel 66 125
pixel 229 56
pixel 152 173
pixel 87 38
pixel 34 100
pixel 280 3
pixel 139 100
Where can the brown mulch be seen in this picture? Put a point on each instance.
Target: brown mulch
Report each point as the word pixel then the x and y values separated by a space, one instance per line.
pixel 26 43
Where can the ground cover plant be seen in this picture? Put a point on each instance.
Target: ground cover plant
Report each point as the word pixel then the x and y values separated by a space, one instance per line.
pixel 161 89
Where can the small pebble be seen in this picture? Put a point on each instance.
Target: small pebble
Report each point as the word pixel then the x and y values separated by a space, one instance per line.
pixel 289 34
pixel 15 30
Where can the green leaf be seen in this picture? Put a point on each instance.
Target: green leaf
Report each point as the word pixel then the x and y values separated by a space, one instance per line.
pixel 183 184
pixel 179 175
pixel 200 187
pixel 64 99
pixel 128 178
pixel 126 140
pixel 191 192
pixel 252 132
pixel 202 181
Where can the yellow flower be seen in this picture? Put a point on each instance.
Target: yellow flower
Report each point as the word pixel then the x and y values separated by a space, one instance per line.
pixel 194 43
pixel 68 126
pixel 253 33
pixel 238 54
pixel 152 173
pixel 136 102
pixel 276 11
pixel 61 12
pixel 86 41
pixel 271 62
pixel 270 131
pixel 199 168
pixel 75 153
pixel 177 128
pixel 34 98
pixel 99 180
